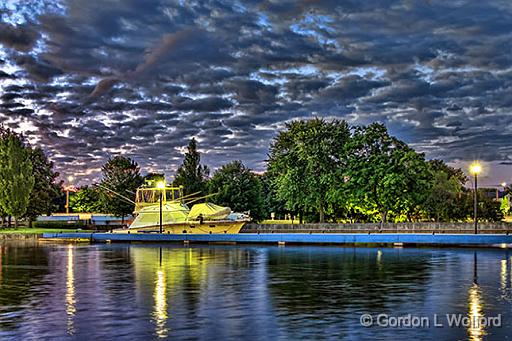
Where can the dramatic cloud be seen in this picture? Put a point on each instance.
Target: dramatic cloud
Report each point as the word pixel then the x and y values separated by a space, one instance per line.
pixel 89 79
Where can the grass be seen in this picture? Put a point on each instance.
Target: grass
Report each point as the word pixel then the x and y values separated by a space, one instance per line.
pixel 35 230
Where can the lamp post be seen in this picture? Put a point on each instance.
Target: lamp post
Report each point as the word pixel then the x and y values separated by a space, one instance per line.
pixel 475 169
pixel 161 185
pixel 68 187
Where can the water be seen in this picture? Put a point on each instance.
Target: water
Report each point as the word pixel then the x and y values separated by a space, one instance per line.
pixel 123 291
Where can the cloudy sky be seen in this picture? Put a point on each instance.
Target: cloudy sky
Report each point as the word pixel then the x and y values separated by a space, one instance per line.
pixel 89 79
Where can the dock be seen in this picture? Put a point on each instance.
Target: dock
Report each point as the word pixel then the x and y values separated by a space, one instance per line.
pixel 396 239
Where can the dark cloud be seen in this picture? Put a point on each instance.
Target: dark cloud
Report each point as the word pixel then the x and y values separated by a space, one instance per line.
pixel 21 38
pixel 89 79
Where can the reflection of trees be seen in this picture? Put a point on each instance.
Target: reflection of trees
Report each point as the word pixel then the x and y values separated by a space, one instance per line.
pixel 314 281
pixel 22 266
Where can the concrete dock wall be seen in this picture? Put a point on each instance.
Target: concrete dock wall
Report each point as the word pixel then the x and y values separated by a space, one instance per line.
pixel 423 227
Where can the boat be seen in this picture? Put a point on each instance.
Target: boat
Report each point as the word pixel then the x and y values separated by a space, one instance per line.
pixel 180 213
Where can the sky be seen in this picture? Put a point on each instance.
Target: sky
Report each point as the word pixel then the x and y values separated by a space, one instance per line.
pixel 90 79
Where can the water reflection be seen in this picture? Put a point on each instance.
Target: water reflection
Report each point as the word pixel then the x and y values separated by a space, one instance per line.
pixel 476 327
pixel 247 292
pixel 70 291
pixel 160 313
pixel 160 297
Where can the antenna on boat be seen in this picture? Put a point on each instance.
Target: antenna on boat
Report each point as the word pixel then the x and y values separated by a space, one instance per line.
pixel 115 193
pixel 203 197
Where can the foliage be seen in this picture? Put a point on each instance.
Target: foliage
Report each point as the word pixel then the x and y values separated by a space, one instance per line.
pixel 16 174
pixel 441 201
pixel 305 161
pixel 121 178
pixel 271 202
pixel 238 188
pixel 488 208
pixel 86 200
pixel 452 173
pixel 505 206
pixel 191 174
pixel 384 173
pixel 46 190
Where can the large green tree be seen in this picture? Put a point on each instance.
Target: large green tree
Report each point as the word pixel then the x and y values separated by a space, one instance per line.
pixel 383 173
pixel 240 189
pixel 304 164
pixel 87 200
pixel 121 178
pixel 16 174
pixel 442 198
pixel 45 190
pixel 447 186
pixel 191 174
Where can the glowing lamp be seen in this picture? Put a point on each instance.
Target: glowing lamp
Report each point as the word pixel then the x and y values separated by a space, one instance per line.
pixel 160 184
pixel 475 168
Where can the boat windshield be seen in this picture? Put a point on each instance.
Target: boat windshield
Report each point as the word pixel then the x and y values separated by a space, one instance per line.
pixel 152 195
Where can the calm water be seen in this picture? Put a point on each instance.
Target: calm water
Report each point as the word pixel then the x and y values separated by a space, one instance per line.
pixel 102 291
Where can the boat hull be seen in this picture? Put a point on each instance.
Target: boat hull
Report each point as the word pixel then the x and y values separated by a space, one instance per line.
pixel 207 227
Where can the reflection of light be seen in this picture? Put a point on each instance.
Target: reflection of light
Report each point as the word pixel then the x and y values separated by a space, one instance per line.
pixel 70 291
pixel 379 259
pixel 476 324
pixel 160 313
pixel 503 274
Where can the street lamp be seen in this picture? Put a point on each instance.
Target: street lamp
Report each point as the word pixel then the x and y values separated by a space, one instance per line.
pixel 68 187
pixel 475 169
pixel 161 186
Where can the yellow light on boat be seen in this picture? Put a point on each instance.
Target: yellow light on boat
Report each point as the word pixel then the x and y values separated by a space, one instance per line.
pixel 475 168
pixel 160 184
pixel 71 178
pixel 503 184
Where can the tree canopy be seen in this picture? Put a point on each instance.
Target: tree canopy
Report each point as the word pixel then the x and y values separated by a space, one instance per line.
pixel 121 178
pixel 16 174
pixel 191 174
pixel 304 163
pixel 87 200
pixel 240 189
pixel 384 173
pixel 46 190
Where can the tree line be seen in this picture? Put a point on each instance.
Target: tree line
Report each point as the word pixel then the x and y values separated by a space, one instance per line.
pixel 317 170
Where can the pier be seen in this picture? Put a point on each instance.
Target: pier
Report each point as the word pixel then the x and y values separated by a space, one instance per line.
pixel 402 239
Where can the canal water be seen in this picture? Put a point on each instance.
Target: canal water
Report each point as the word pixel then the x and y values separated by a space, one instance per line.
pixel 140 291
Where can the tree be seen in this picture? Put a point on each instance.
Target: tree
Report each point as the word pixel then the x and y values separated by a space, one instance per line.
pixel 505 206
pixel 86 200
pixel 238 188
pixel 384 173
pixel 121 178
pixel 305 161
pixel 191 174
pixel 46 190
pixel 16 177
pixel 442 197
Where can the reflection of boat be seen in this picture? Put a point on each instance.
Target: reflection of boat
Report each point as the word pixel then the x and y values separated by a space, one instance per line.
pixel 153 199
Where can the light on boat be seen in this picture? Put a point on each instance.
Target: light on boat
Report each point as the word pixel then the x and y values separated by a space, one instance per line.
pixel 160 184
